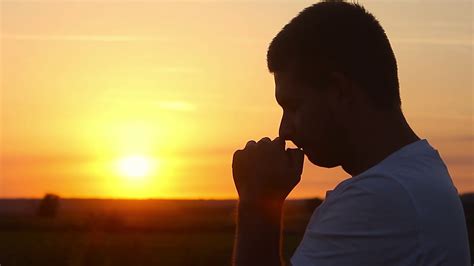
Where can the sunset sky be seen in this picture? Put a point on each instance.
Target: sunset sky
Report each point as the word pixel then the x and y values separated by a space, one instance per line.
pixel 90 89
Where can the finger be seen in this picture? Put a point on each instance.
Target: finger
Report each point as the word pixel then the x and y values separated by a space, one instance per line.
pixel 279 142
pixel 238 165
pixel 264 140
pixel 251 144
pixel 296 159
pixel 236 156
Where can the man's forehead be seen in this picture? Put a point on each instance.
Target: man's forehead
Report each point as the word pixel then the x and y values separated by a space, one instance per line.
pixel 282 77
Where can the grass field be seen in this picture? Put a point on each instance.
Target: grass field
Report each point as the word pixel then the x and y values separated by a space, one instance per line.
pixel 124 232
pixel 134 232
pixel 120 248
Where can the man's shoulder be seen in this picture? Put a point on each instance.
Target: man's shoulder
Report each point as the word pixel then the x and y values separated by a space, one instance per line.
pixel 364 220
pixel 372 186
pixel 374 201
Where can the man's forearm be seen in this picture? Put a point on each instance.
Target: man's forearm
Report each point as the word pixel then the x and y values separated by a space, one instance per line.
pixel 258 236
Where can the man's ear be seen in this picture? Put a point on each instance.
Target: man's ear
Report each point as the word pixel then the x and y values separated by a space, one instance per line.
pixel 341 91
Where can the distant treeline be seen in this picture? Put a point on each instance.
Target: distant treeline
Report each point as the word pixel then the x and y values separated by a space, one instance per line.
pixel 54 213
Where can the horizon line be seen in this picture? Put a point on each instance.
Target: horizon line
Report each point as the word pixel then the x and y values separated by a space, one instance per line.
pixel 171 199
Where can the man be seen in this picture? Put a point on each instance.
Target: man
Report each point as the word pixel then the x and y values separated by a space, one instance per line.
pixel 336 80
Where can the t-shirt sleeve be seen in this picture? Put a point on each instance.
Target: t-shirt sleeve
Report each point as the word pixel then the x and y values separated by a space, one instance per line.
pixel 370 221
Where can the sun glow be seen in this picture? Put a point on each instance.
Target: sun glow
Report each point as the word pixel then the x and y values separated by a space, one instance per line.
pixel 136 167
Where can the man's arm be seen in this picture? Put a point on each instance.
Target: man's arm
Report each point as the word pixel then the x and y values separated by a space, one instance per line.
pixel 258 234
pixel 264 174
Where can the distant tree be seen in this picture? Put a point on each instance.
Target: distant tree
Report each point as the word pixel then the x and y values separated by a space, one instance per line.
pixel 49 206
pixel 468 205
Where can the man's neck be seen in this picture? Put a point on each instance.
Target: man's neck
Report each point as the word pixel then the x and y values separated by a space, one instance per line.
pixel 376 141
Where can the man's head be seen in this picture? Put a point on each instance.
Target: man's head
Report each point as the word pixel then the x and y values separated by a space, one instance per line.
pixel 333 68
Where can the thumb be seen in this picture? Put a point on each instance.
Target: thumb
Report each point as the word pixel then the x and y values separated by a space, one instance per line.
pixel 296 157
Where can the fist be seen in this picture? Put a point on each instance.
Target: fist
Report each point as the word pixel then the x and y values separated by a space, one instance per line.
pixel 265 171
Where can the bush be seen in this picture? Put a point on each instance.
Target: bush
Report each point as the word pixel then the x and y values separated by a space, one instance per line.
pixel 49 206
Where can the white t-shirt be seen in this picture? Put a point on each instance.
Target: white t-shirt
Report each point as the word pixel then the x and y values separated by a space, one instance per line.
pixel 403 211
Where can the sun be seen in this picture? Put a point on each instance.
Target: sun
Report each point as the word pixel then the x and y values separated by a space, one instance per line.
pixel 136 167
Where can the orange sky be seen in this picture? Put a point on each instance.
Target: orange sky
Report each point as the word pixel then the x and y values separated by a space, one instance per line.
pixel 85 83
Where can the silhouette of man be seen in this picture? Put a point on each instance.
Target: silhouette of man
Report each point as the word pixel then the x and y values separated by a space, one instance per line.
pixel 336 80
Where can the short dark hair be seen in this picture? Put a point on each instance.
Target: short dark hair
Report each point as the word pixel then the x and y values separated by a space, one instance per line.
pixel 336 36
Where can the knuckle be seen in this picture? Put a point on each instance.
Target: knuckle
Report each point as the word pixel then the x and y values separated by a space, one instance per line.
pixel 265 144
pixel 237 154
pixel 250 144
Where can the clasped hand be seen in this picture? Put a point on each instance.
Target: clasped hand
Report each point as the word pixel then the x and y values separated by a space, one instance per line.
pixel 264 171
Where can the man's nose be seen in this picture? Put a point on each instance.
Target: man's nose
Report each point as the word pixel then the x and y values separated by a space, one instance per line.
pixel 286 128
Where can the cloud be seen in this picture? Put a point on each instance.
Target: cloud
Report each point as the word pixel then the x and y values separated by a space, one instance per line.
pixel 117 1
pixel 177 69
pixel 454 138
pixel 28 160
pixel 466 160
pixel 468 138
pixel 458 42
pixel 86 38
pixel 177 106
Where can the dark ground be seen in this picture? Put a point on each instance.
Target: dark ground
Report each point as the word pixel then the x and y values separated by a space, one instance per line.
pixel 139 232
